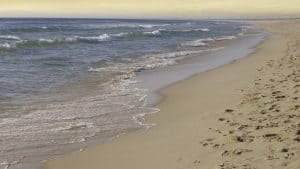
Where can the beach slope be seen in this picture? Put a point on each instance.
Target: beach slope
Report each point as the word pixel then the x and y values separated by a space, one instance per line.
pixel 245 114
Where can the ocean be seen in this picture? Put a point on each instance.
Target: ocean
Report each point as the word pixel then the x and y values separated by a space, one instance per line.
pixel 69 83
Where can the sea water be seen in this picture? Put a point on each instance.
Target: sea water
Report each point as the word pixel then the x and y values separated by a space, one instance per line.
pixel 68 83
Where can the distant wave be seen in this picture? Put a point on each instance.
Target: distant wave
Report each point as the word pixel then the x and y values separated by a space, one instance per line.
pixel 191 30
pixel 135 34
pixel 162 32
pixel 139 34
pixel 100 38
pixel 155 32
pixel 92 39
pixel 41 42
pixel 82 27
pixel 78 39
pixel 153 25
pixel 51 42
pixel 205 30
pixel 134 25
pixel 36 29
pixel 9 37
pixel 102 26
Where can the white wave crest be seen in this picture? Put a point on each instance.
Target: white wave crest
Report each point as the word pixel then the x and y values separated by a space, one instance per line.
pixel 122 34
pixel 193 30
pixel 204 30
pixel 99 38
pixel 203 42
pixel 133 25
pixel 152 25
pixel 109 68
pixel 198 42
pixel 47 40
pixel 155 32
pixel 42 41
pixel 225 38
pixel 9 37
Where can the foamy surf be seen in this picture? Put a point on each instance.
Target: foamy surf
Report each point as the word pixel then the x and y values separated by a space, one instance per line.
pixel 5 47
pixel 204 42
pixel 222 38
pixel 198 42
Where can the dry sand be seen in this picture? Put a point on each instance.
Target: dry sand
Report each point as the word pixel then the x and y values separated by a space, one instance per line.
pixel 242 115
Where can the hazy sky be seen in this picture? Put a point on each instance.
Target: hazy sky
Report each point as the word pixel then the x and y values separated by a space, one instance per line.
pixel 148 8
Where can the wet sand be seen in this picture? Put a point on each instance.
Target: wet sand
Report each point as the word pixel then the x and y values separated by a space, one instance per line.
pixel 245 114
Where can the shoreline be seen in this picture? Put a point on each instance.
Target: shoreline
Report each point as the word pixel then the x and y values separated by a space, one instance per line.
pixel 162 146
pixel 213 56
pixel 85 129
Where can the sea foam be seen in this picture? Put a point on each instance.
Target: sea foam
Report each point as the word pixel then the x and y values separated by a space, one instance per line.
pixel 9 37
pixel 203 42
pixel 6 47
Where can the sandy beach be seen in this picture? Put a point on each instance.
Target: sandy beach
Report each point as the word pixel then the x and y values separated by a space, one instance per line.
pixel 244 115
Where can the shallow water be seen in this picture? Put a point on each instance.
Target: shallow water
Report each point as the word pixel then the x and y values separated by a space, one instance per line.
pixel 69 83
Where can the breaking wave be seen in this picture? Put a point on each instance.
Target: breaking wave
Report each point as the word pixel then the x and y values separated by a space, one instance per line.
pixel 9 37
pixel 92 39
pixel 191 30
pixel 5 47
pixel 203 42
pixel 114 26
pixel 225 38
pixel 75 39
pixel 198 42
pixel 149 61
pixel 86 27
pixel 36 29
pixel 56 41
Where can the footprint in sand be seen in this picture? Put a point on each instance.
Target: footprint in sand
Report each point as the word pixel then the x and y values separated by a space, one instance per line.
pixel 235 152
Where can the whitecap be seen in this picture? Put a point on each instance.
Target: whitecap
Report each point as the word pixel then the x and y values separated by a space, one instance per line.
pixel 122 34
pixel 47 40
pixel 70 39
pixel 155 32
pixel 191 30
pixel 146 26
pixel 102 69
pixel 204 30
pixel 129 25
pixel 99 38
pixel 198 42
pixel 225 38
pixel 149 26
pixel 9 37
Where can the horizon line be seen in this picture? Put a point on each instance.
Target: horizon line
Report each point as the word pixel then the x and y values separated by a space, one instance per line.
pixel 158 18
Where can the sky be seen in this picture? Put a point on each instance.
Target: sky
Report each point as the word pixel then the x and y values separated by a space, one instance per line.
pixel 149 8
